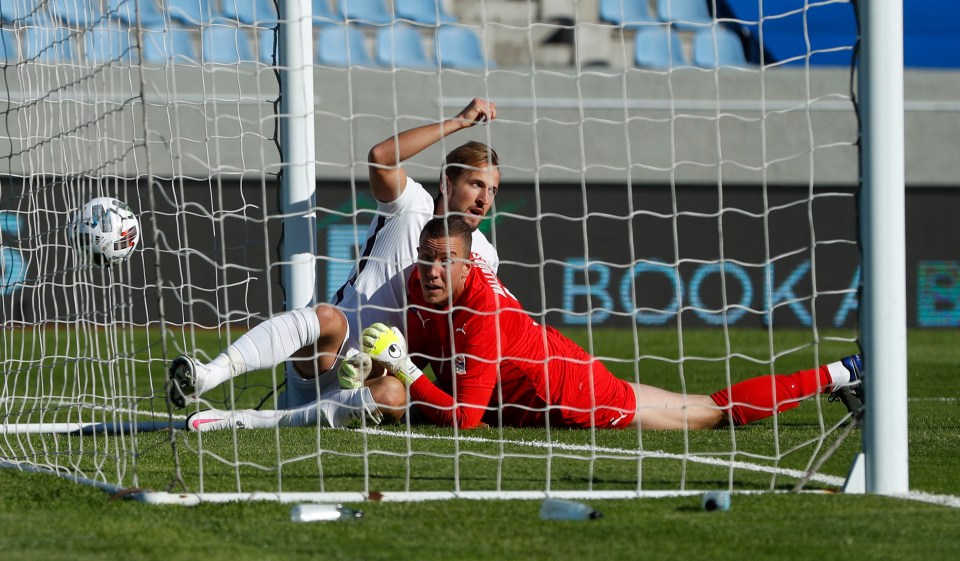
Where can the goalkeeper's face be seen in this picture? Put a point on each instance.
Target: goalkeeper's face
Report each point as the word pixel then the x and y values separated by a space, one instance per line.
pixel 443 264
pixel 471 192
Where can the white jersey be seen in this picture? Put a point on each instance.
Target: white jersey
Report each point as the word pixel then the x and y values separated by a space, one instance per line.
pixel 376 287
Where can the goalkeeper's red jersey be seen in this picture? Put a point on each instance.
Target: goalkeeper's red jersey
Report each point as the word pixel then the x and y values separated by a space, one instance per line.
pixel 486 351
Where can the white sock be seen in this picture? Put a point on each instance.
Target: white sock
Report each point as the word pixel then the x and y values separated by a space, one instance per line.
pixel 265 346
pixel 839 375
pixel 336 408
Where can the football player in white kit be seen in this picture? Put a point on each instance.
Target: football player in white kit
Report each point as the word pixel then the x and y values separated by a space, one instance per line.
pixel 324 340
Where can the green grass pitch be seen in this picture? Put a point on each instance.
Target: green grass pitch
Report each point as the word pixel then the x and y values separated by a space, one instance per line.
pixel 44 517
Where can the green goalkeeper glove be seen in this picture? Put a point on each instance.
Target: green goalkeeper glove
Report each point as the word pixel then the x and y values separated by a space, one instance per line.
pixel 354 369
pixel 387 347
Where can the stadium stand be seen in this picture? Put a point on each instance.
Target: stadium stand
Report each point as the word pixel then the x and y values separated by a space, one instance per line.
pixel 401 45
pixel 460 47
pixel 77 14
pixel 428 12
pixel 14 10
pixel 105 44
pixel 221 44
pixel 262 13
pixel 831 28
pixel 626 13
pixel 658 48
pixel 126 11
pixel 190 12
pixel 342 45
pixel 370 12
pixel 9 46
pixel 161 45
pixel 718 46
pixel 684 14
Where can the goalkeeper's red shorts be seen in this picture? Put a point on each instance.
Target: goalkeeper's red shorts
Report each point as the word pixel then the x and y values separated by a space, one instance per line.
pixel 612 403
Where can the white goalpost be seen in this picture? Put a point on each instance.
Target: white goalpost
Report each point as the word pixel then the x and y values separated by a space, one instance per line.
pixel 682 185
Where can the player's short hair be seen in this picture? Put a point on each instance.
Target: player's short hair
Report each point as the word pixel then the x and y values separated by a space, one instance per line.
pixel 471 155
pixel 449 227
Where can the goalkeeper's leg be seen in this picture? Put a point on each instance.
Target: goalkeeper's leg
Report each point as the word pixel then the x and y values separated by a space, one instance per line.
pixel 315 334
pixel 744 402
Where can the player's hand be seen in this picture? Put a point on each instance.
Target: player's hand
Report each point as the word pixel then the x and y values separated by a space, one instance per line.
pixel 387 347
pixel 478 110
pixel 354 370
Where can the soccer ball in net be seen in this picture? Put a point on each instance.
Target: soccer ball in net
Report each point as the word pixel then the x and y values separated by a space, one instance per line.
pixel 105 231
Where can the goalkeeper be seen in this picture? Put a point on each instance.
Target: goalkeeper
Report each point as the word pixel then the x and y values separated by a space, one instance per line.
pixel 320 338
pixel 495 365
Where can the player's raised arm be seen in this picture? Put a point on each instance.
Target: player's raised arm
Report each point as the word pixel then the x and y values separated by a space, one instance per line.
pixel 387 177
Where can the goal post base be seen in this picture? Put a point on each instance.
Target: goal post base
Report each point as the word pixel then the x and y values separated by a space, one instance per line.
pixel 857 476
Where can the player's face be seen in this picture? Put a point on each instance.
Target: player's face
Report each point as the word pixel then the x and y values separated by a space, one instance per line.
pixel 443 267
pixel 473 192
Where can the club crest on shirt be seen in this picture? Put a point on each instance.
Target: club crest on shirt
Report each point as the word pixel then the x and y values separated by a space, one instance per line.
pixel 460 365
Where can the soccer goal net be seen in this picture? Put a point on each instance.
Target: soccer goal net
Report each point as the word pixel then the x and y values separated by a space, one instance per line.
pixel 678 197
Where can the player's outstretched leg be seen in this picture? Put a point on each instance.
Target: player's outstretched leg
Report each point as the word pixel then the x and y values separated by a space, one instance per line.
pixel 183 380
pixel 265 346
pixel 851 395
pixel 336 409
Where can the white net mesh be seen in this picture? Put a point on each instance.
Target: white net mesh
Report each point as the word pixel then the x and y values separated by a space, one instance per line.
pixel 677 197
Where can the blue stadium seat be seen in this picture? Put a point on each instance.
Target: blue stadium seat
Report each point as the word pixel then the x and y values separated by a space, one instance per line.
pixel 460 47
pixel 831 29
pixel 9 46
pixel 77 14
pixel 17 10
pixel 659 48
pixel 429 12
pixel 223 44
pixel 126 11
pixel 371 12
pixel 323 15
pixel 718 46
pixel 47 42
pixel 685 14
pixel 104 44
pixel 261 13
pixel 190 12
pixel 626 13
pixel 342 45
pixel 162 46
pixel 265 40
pixel 401 45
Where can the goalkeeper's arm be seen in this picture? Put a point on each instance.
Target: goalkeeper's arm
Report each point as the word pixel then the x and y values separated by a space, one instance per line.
pixel 386 346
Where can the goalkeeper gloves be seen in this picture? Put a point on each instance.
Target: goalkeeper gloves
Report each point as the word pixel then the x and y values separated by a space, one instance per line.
pixel 354 369
pixel 387 346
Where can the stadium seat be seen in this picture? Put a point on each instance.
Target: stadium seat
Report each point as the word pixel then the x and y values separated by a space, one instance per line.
pixel 221 44
pixel 460 47
pixel 830 28
pixel 323 15
pixel 161 46
pixel 401 45
pixel 659 48
pixel 371 12
pixel 77 14
pixel 17 10
pixel 189 12
pixel 265 40
pixel 626 13
pixel 684 14
pixel 104 44
pixel 262 13
pixel 9 46
pixel 342 45
pixel 429 12
pixel 126 11
pixel 47 42
pixel 718 46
